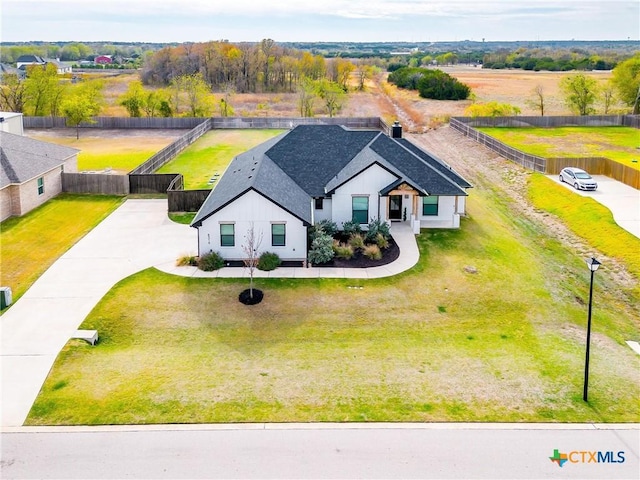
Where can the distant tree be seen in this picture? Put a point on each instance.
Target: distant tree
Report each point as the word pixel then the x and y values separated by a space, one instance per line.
pixel 83 104
pixel 42 89
pixel 492 109
pixel 344 68
pixel 364 72
pixel 12 93
pixel 608 97
pixel 197 91
pixel 331 94
pixel 626 80
pixel 537 99
pixel 306 97
pixel 580 93
pixel 133 99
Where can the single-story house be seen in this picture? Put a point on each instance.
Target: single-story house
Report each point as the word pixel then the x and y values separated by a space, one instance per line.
pixel 26 60
pixel 31 172
pixel 326 172
pixel 6 69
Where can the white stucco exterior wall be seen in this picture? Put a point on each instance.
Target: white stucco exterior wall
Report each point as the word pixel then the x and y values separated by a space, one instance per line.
pixel 325 213
pixel 253 207
pixel 368 183
pixel 446 214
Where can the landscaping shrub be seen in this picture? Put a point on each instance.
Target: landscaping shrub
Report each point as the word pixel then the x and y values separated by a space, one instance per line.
pixel 373 252
pixel 321 247
pixel 351 227
pixel 268 261
pixel 327 226
pixel 356 240
pixel 187 261
pixel 382 241
pixel 377 227
pixel 342 250
pixel 210 261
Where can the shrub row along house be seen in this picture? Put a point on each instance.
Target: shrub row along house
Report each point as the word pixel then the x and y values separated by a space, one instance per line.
pixel 326 172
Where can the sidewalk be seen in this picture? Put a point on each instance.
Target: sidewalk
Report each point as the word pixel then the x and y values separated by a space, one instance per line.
pixel 135 236
pixel 401 233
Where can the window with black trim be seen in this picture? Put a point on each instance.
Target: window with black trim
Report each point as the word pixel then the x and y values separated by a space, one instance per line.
pixel 40 185
pixel 430 205
pixel 278 234
pixel 319 203
pixel 227 235
pixel 360 209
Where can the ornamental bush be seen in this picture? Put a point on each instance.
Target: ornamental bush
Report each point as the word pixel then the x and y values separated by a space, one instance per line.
pixel 377 227
pixel 321 248
pixel 351 227
pixel 356 240
pixel 373 252
pixel 268 261
pixel 342 250
pixel 327 226
pixel 210 261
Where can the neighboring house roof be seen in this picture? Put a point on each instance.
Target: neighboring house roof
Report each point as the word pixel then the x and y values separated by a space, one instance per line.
pixel 30 59
pixel 311 161
pixel 8 69
pixel 23 158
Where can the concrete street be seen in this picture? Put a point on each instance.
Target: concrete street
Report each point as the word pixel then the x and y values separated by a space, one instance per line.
pixel 322 451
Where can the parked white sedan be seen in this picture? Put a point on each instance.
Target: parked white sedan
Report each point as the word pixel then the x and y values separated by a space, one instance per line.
pixel 580 179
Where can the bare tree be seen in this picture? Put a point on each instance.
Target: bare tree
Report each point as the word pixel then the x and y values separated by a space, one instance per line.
pixel 538 99
pixel 251 256
pixel 608 97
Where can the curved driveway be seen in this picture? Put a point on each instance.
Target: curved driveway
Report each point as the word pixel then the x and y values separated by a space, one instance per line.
pixel 621 199
pixel 137 235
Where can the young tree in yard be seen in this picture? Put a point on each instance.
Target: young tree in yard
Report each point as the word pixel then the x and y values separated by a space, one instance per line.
pixel 537 99
pixel 580 93
pixel 82 104
pixel 626 79
pixel 251 255
pixel 12 93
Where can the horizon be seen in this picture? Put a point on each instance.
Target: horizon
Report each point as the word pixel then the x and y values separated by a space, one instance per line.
pixel 337 21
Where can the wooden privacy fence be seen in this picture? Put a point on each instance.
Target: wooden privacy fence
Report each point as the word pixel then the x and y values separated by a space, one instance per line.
pixel 554 121
pixel 96 183
pixel 153 183
pixel 184 123
pixel 186 200
pixel 171 151
pixel 552 166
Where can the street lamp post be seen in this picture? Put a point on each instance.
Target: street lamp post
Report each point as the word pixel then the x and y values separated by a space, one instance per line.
pixel 593 266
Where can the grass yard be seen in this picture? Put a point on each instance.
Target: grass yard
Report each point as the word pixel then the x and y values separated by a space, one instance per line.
pixel 31 243
pixel 211 154
pixel 433 344
pixel 121 154
pixel 621 144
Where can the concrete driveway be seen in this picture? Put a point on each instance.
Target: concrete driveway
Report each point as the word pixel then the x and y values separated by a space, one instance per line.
pixel 621 199
pixel 135 236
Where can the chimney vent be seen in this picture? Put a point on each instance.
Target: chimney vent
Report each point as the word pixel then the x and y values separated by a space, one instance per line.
pixel 396 130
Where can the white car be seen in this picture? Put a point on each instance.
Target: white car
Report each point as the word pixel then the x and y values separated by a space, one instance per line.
pixel 580 179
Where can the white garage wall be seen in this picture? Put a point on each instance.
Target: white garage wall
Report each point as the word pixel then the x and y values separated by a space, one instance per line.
pixel 253 207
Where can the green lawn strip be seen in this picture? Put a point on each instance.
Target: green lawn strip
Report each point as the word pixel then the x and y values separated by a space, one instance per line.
pixel 184 218
pixel 123 162
pixel 211 154
pixel 616 143
pixel 588 219
pixel 31 243
pixel 432 344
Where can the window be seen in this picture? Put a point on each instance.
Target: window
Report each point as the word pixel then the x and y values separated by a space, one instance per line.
pixel 40 185
pixel 360 209
pixel 227 235
pixel 319 203
pixel 430 205
pixel 278 234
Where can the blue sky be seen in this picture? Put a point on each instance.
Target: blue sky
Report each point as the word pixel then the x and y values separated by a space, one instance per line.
pixel 319 20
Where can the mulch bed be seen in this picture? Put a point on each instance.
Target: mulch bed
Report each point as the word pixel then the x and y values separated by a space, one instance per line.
pixel 245 296
pixel 360 261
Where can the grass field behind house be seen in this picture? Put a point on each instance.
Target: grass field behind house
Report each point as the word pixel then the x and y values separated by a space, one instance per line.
pixel 31 243
pixel 212 153
pixel 435 343
pixel 620 144
pixel 121 154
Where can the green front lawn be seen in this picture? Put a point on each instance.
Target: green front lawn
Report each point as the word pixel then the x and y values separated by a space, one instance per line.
pixel 616 143
pixel 211 154
pixel 31 243
pixel 435 343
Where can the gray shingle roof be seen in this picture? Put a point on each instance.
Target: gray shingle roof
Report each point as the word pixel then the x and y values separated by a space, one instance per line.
pixel 312 160
pixel 23 158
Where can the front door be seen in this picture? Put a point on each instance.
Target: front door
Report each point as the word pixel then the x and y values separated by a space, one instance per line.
pixel 395 207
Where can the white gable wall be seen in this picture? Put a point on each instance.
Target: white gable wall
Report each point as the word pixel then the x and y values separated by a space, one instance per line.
pixel 253 207
pixel 369 182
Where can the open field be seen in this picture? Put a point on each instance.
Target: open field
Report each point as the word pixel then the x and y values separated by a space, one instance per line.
pixel 212 153
pixel 118 150
pixel 621 144
pixel 31 243
pixel 433 344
